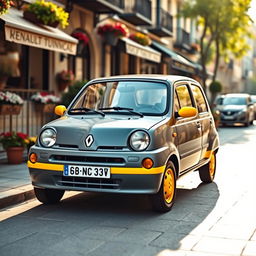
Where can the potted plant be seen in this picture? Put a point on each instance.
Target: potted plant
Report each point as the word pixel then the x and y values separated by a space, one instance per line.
pixel 83 40
pixel 14 144
pixel 112 32
pixel 10 103
pixel 45 102
pixel 4 6
pixel 46 13
pixel 140 38
pixel 64 79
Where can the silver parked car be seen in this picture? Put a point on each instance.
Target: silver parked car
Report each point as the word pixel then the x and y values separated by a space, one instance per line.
pixel 253 97
pixel 236 108
pixel 127 134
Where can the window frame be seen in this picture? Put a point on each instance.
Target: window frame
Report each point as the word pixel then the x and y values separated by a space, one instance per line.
pixel 204 97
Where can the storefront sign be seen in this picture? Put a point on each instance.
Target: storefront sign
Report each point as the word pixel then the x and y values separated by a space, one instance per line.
pixel 143 53
pixel 181 66
pixel 38 40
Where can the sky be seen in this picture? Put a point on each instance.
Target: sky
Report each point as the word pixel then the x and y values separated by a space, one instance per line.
pixel 252 10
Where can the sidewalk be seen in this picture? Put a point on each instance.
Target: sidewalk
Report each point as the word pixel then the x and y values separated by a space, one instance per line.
pixel 15 186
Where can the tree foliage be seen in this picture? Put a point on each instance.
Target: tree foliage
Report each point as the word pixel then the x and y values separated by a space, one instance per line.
pixel 223 24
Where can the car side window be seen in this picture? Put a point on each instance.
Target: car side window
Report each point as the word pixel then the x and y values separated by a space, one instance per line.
pixel 199 98
pixel 183 96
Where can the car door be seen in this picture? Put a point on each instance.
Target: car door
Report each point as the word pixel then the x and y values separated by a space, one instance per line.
pixel 204 117
pixel 188 129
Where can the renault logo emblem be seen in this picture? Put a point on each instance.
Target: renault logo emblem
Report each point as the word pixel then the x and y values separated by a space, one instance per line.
pixel 89 140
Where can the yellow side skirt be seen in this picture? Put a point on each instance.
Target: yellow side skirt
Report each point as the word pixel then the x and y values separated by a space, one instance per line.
pixel 114 170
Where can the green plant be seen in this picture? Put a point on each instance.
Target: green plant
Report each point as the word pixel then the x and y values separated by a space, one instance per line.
pixel 13 139
pixel 215 87
pixel 68 96
pixel 48 12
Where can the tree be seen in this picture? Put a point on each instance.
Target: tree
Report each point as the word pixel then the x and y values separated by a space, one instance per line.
pixel 224 24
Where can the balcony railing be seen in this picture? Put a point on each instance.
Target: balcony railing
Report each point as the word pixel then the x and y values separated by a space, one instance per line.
pixel 183 39
pixel 137 12
pixel 102 6
pixel 28 121
pixel 165 20
pixel 164 24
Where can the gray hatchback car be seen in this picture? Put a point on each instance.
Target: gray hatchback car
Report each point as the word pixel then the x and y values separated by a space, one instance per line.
pixel 127 134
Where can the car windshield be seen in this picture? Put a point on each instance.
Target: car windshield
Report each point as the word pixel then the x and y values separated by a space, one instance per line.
pixel 234 101
pixel 253 99
pixel 125 97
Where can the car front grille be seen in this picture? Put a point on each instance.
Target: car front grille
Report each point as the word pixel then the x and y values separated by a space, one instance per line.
pixel 88 159
pixel 229 113
pixel 78 182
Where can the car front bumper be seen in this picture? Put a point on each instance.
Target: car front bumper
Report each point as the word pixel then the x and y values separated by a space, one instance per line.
pixel 127 176
pixel 240 117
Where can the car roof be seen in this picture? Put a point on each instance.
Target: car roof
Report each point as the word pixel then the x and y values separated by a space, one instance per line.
pixel 239 95
pixel 170 78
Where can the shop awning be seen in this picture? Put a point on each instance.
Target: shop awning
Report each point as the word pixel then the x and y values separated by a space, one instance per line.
pixel 144 52
pixel 21 31
pixel 178 61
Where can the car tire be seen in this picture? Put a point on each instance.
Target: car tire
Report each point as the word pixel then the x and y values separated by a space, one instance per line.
pixel 48 196
pixel 207 172
pixel 164 199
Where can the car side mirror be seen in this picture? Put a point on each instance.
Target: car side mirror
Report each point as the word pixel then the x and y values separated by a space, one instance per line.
pixel 60 110
pixel 187 112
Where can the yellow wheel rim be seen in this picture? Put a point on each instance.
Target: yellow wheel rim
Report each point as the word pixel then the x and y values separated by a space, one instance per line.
pixel 169 185
pixel 212 166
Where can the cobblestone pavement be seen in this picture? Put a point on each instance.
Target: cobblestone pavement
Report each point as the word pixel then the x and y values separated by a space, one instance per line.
pixel 217 219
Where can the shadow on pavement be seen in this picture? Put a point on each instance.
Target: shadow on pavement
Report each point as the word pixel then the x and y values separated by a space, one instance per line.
pixel 107 224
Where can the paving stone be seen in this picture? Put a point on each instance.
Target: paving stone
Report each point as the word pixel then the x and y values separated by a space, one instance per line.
pixel 135 236
pixel 116 249
pixel 100 232
pixel 221 246
pixel 241 232
pixel 250 249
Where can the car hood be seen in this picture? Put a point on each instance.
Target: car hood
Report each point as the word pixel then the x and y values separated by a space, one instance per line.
pixel 108 132
pixel 231 107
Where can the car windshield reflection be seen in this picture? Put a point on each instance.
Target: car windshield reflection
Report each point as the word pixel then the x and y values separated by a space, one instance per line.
pixel 234 101
pixel 138 97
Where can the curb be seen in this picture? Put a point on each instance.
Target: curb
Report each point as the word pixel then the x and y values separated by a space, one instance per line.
pixel 16 196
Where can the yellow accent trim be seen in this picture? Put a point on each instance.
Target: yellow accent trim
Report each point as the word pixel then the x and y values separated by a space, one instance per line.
pixel 114 170
pixel 51 167
pixel 208 154
pixel 128 170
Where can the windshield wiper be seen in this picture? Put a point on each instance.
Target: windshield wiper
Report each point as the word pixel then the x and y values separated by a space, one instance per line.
pixel 83 109
pixel 122 108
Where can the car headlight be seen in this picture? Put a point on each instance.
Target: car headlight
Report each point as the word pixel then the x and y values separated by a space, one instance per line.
pixel 139 140
pixel 48 138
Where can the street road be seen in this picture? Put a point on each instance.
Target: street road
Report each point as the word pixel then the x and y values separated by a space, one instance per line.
pixel 206 220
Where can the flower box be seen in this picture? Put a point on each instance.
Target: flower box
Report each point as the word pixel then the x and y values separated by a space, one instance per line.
pixel 30 16
pixel 112 32
pixel 8 109
pixel 5 109
pixel 45 12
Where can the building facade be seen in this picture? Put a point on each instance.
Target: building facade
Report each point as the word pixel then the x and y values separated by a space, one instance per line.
pixel 43 52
